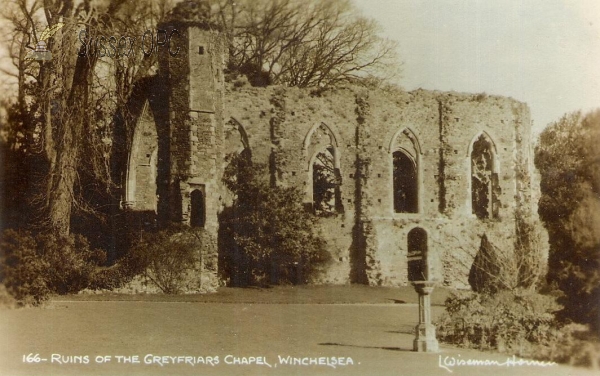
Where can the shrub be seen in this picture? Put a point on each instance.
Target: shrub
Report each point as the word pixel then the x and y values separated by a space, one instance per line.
pixel 494 270
pixel 271 236
pixel 531 253
pixel 486 274
pixel 506 321
pixel 34 266
pixel 168 257
pixel 571 343
pixel 6 299
pixel 115 276
pixel 521 323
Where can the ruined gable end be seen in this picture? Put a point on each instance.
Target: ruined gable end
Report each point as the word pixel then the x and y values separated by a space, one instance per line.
pixel 404 185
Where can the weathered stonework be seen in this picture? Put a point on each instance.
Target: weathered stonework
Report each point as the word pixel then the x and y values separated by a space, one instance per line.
pixel 284 128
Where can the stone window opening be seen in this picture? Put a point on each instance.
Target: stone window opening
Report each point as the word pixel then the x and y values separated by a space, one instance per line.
pixel 237 154
pixel 323 188
pixel 484 179
pixel 326 180
pixel 405 185
pixel 417 255
pixel 140 183
pixel 198 209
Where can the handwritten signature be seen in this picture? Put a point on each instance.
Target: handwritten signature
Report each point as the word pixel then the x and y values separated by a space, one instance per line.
pixel 448 362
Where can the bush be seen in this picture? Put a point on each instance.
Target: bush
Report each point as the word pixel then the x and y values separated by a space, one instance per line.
pixel 6 299
pixel 34 266
pixel 268 236
pixel 572 344
pixel 115 276
pixel 506 321
pixel 521 323
pixel 525 268
pixel 170 256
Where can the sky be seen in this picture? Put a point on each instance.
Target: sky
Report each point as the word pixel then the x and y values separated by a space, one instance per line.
pixel 545 53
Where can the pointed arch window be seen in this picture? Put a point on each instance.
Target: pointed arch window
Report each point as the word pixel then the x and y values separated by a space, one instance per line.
pixel 485 189
pixel 405 152
pixel 238 156
pixel 406 194
pixel 324 177
pixel 141 188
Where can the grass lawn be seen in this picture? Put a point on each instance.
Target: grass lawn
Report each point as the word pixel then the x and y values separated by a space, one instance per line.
pixel 351 294
pixel 375 334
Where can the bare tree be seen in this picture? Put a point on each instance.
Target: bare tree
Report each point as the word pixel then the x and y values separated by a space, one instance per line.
pixel 67 104
pixel 67 101
pixel 307 44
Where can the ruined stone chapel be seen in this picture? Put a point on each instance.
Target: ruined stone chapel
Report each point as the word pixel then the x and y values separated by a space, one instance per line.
pixel 421 173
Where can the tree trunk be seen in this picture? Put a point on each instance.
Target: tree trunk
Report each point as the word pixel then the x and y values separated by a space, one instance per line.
pixel 63 173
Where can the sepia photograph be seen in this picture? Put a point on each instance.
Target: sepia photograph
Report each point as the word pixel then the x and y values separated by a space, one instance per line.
pixel 299 187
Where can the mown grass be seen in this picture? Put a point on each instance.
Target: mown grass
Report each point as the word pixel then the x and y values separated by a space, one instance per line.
pixel 323 294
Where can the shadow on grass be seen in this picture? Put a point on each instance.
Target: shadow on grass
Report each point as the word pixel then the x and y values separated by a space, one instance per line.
pixel 404 329
pixel 364 347
pixel 397 301
pixel 407 331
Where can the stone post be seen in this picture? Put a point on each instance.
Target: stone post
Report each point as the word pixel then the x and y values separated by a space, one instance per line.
pixel 425 340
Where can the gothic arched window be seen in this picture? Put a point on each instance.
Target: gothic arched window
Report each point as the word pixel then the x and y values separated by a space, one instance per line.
pixel 484 179
pixel 325 180
pixel 406 196
pixel 324 177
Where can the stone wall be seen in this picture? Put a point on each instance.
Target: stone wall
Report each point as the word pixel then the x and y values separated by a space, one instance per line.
pixel 285 128
pixel 366 238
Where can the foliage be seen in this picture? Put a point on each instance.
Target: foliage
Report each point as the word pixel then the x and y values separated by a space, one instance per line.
pixel 65 109
pixel 516 322
pixel 319 43
pixel 34 266
pixel 325 184
pixel 274 240
pixel 529 266
pixel 572 344
pixel 568 159
pixel 167 257
pixel 506 321
pixel 6 299
pixel 494 270
pixel 15 170
pixel 116 275
pixel 486 274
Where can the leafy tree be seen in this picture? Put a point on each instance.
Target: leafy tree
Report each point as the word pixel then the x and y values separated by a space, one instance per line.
pixel 568 158
pixel 274 237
